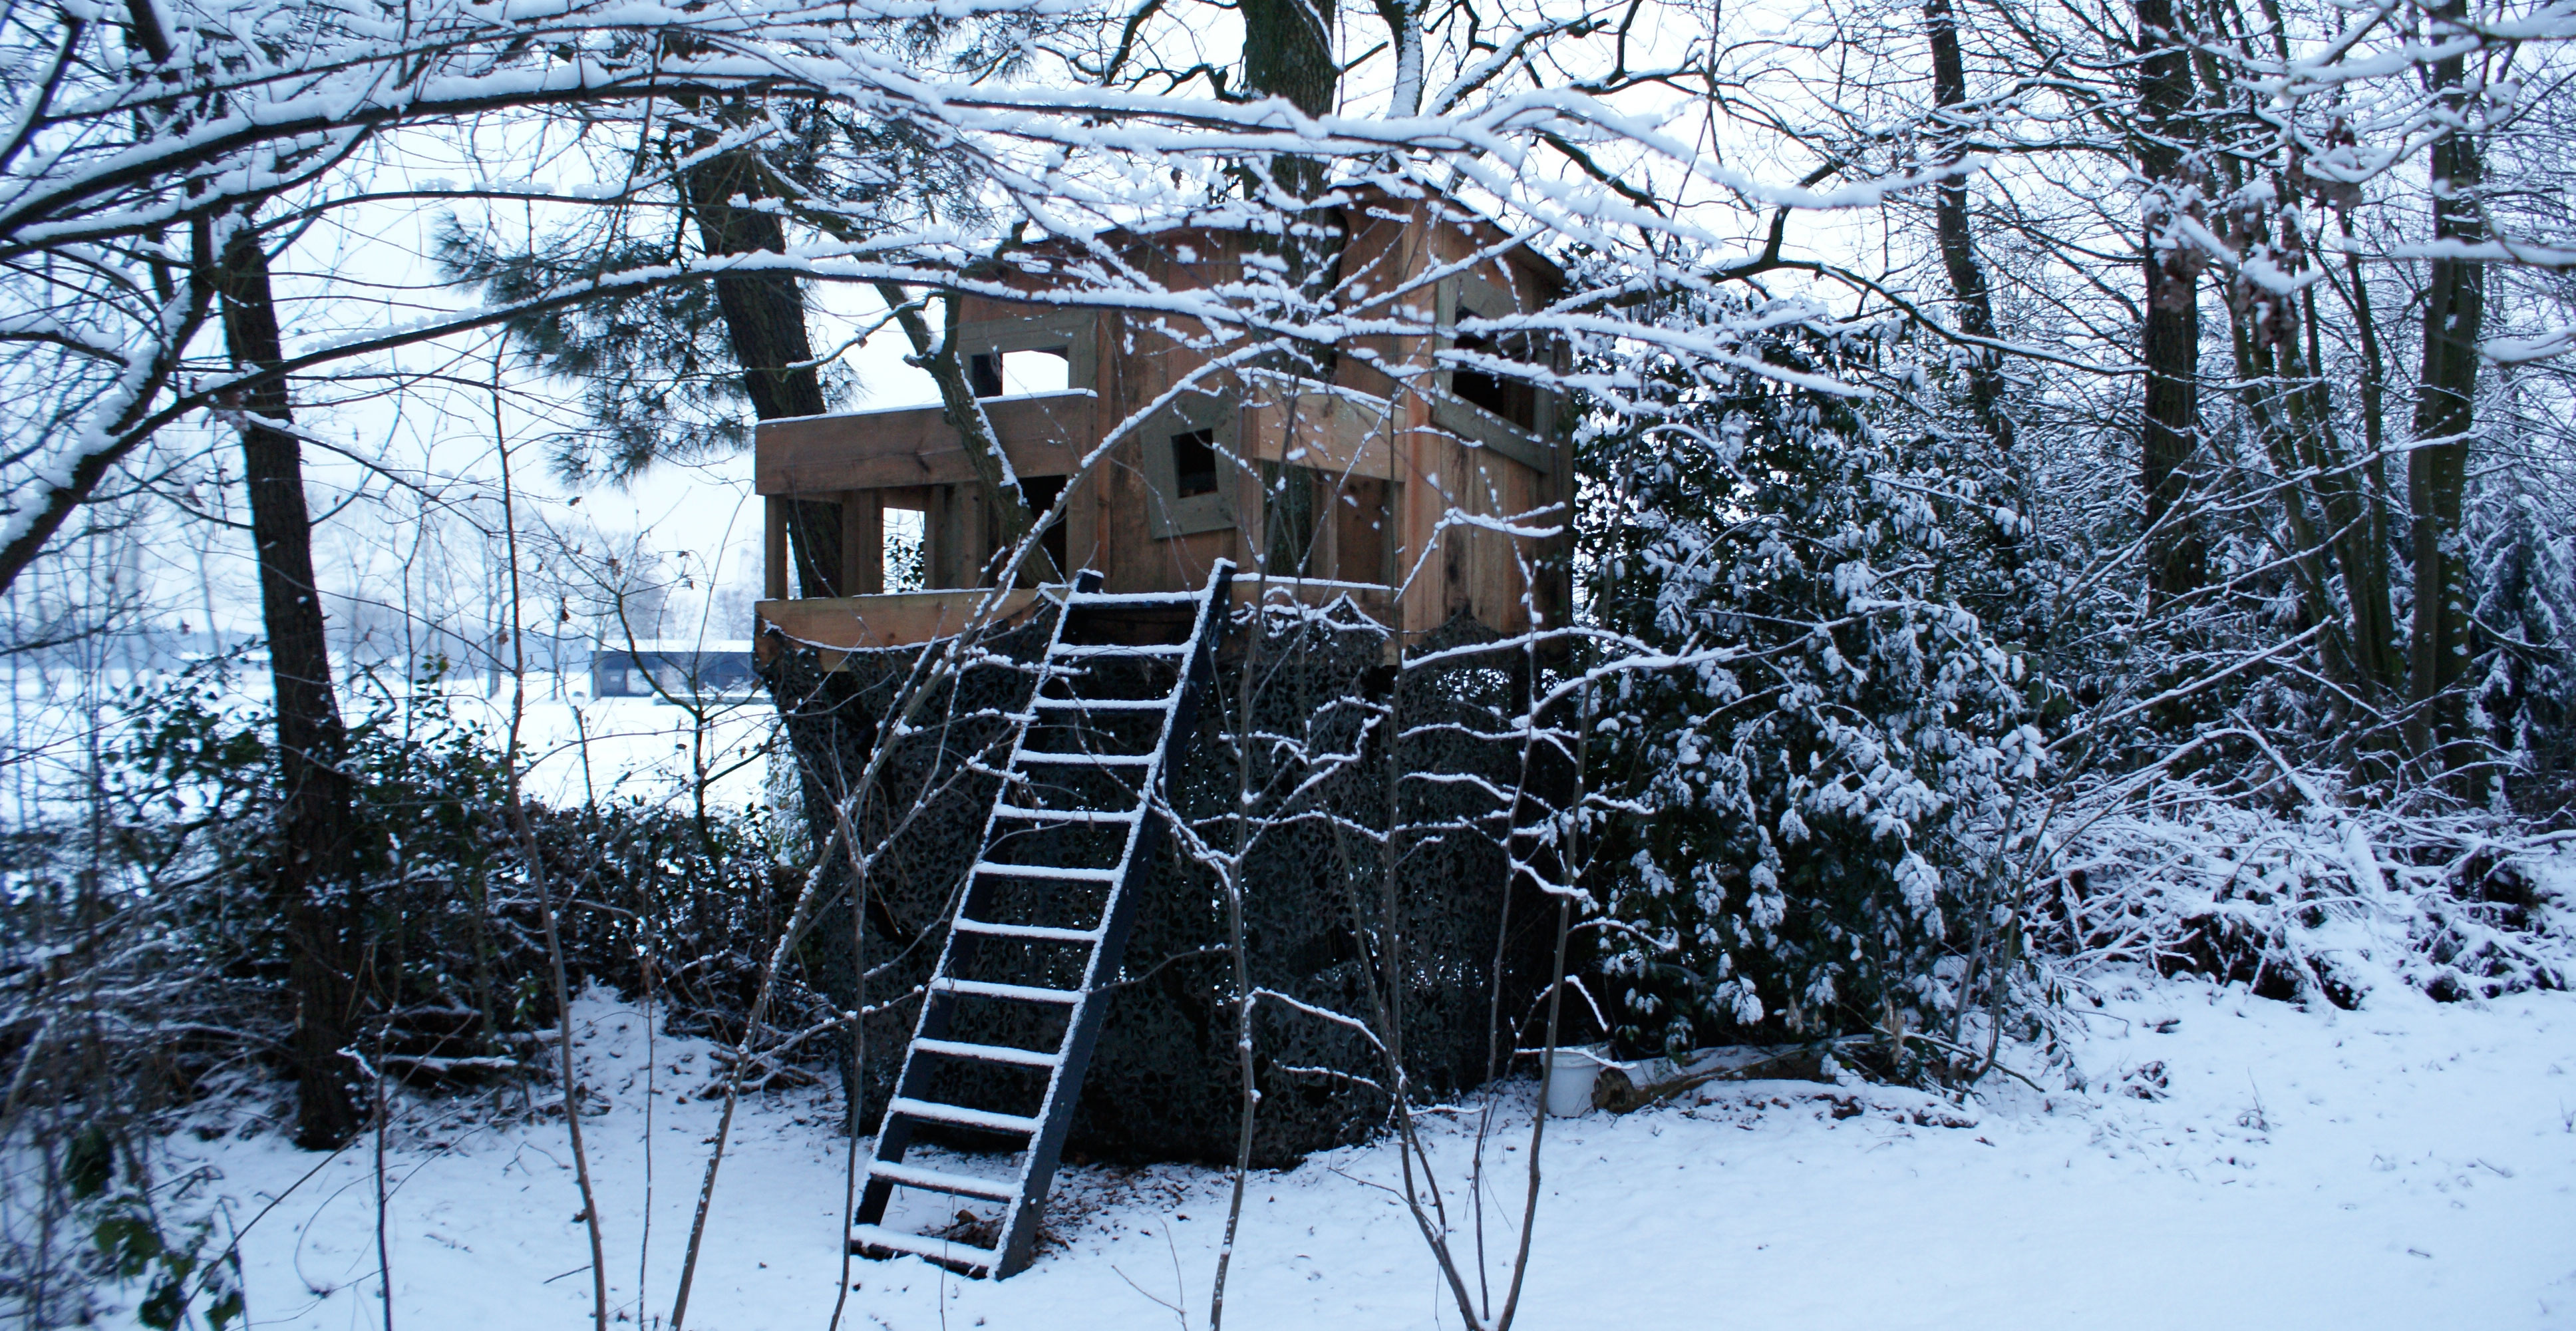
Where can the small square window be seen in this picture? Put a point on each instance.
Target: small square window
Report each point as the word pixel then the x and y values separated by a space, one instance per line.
pixel 1194 463
pixel 1012 373
pixel 1508 397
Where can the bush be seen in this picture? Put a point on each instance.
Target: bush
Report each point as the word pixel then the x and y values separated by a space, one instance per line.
pixel 1825 801
pixel 145 975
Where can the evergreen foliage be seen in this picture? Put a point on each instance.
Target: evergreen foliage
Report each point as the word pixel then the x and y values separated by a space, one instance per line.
pixel 1825 805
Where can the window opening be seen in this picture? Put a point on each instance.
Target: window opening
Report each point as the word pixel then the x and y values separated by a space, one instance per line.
pixel 1011 373
pixel 1512 398
pixel 1042 492
pixel 905 568
pixel 1291 495
pixel 1193 463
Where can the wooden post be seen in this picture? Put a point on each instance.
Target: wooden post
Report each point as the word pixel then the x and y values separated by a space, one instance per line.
pixel 774 549
pixel 938 537
pixel 862 543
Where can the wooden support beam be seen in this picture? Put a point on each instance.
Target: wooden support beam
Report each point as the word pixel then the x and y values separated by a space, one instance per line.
pixel 916 446
pixel 908 619
pixel 773 551
pixel 862 542
pixel 903 619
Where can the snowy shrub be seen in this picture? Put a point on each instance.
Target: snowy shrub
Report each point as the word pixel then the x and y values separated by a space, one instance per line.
pixel 2523 572
pixel 166 869
pixel 2316 903
pixel 145 965
pixel 1826 802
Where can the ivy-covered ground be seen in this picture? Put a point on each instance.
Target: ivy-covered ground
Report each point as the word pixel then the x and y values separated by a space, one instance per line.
pixel 2226 1160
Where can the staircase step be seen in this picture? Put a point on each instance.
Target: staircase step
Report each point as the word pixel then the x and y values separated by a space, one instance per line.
pixel 938 1250
pixel 1067 815
pixel 1086 759
pixel 1137 598
pixel 935 1112
pixel 955 1185
pixel 1016 992
pixel 988 1053
pixel 1100 745
pixel 1034 933
pixel 1046 871
pixel 1103 704
pixel 1068 651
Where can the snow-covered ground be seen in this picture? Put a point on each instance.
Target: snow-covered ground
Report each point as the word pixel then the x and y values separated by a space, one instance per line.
pixel 2231 1161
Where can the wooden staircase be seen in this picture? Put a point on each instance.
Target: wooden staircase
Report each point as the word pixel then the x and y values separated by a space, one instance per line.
pixel 1015 1002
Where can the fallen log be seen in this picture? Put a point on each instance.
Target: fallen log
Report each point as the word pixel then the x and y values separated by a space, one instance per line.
pixel 1625 1088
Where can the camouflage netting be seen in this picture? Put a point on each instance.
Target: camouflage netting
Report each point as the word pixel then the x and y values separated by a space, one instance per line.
pixel 1164 1081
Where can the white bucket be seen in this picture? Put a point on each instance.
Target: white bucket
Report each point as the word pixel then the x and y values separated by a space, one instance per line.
pixel 1571 1071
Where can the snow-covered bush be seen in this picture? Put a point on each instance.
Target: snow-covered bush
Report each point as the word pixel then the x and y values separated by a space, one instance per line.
pixel 2523 574
pixel 2322 901
pixel 164 871
pixel 1825 802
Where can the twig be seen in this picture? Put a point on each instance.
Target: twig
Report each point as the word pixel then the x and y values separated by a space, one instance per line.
pixel 1230 874
pixel 384 1251
pixel 855 1088
pixel 1555 1008
pixel 652 1053
pixel 535 858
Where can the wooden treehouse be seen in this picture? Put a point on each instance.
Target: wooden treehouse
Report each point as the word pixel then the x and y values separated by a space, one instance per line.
pixel 1406 485
pixel 1354 488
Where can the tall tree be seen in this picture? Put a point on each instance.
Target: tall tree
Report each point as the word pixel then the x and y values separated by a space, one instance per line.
pixel 316 888
pixel 2445 416
pixel 314 883
pixel 1288 52
pixel 741 208
pixel 2170 326
pixel 764 315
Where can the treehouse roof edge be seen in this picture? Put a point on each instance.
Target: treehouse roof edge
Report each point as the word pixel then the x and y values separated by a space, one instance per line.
pixel 1361 210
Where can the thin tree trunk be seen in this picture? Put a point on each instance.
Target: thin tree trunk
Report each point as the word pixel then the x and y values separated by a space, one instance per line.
pixel 2374 393
pixel 764 316
pixel 2286 396
pixel 2343 491
pixel 2437 469
pixel 2170 335
pixel 1968 291
pixel 1237 941
pixel 315 888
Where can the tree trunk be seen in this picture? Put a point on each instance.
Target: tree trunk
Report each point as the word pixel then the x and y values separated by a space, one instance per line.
pixel 2437 469
pixel 1288 52
pixel 1976 311
pixel 765 317
pixel 2285 395
pixel 2374 393
pixel 316 888
pixel 2170 336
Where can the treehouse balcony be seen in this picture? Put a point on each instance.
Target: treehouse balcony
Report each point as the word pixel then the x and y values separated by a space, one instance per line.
pixel 1410 482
